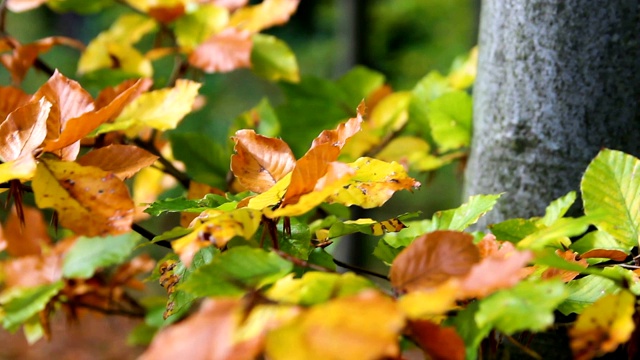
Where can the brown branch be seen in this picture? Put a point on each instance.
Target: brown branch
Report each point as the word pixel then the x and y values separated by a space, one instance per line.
pixel 523 348
pixel 137 313
pixel 149 236
pixel 169 168
pixel 359 270
pixel 301 263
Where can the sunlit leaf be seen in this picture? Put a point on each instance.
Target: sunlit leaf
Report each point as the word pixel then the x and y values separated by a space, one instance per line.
pixel 603 326
pixel 368 226
pixel 316 287
pixel 185 205
pixel 272 59
pixel 527 306
pixel 463 71
pixel 235 271
pixel 89 201
pixel 565 275
pixel 467 214
pixel 266 14
pixel 558 208
pixel 595 241
pixel 609 185
pixel 327 331
pixel 406 236
pixel 159 109
pixel 260 161
pixel 450 120
pixel 88 254
pixel 217 227
pixel 24 129
pixel 195 27
pixel 12 98
pixel 433 259
pixel 121 160
pixel 223 52
pixel 427 304
pixel 557 235
pixel 23 5
pixel 585 291
pixel 514 230
pixel 391 114
pixel 20 305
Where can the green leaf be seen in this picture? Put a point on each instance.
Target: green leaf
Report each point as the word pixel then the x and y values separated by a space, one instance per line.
pixel 611 185
pixel 360 82
pixel 431 87
pixel 548 257
pixel 195 27
pixel 558 208
pixel 467 327
pixel 79 6
pixel 406 236
pixel 20 304
pixel 272 59
pixel 585 291
pixel 299 244
pixel 235 271
pixel 386 252
pixel 450 120
pixel 206 161
pixel 89 254
pixel 262 117
pixel 527 306
pixel 465 215
pixel 514 230
pixel 369 226
pixel 598 240
pixel 557 235
pixel 316 287
pixel 182 204
pixel 322 258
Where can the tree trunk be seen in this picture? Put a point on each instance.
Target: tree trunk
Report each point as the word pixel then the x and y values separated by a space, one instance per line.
pixel 557 81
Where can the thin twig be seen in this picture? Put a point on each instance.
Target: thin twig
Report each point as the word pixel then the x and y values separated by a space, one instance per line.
pixel 182 178
pixel 300 262
pixel 3 16
pixel 149 235
pixel 359 270
pixel 524 349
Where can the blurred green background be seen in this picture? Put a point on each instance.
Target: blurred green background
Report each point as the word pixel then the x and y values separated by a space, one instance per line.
pixel 402 39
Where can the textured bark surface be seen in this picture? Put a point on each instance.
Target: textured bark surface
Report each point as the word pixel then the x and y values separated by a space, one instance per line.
pixel 557 81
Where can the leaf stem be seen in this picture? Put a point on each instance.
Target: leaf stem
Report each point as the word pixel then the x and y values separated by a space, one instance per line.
pixel 300 262
pixel 360 270
pixel 149 235
pixel 182 178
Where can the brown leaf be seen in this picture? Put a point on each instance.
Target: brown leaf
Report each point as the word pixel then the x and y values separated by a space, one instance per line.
pixel 260 161
pixel 12 98
pixel 24 129
pixel 440 343
pixel 108 94
pixel 433 259
pixel 494 273
pixel 32 270
pixel 122 160
pixel 166 14
pixel 69 100
pixel 565 275
pixel 616 255
pixel 28 238
pixel 223 52
pixel 343 132
pixel 89 201
pixel 74 129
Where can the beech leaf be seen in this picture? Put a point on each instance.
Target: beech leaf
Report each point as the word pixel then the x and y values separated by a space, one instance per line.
pixel 89 201
pixel 260 162
pixel 437 341
pixel 316 287
pixel 88 254
pixel 603 326
pixel 327 331
pixel 223 52
pixel 585 291
pixel 20 305
pixel 467 214
pixel 26 240
pixel 272 59
pixel 24 129
pixel 266 14
pixel 432 259
pixel 195 27
pixel 12 98
pixel 121 160
pixel 610 186
pixel 22 168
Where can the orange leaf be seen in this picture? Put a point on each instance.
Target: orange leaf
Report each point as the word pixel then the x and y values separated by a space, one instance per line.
pixel 616 255
pixel 166 14
pixel 24 129
pixel 494 273
pixel 223 52
pixel 12 98
pixel 433 259
pixel 260 161
pixel 108 94
pixel 28 238
pixel 264 15
pixel 565 275
pixel 343 132
pixel 122 160
pixel 89 201
pixel 442 343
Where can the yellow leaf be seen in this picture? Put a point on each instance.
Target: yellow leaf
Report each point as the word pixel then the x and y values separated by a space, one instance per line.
pixel 391 113
pixel 464 74
pixel 22 168
pixel 603 326
pixel 365 326
pixel 264 15
pixel 160 109
pixel 373 184
pixel 427 304
pixel 271 197
pixel 89 201
pixel 217 227
pixel 197 26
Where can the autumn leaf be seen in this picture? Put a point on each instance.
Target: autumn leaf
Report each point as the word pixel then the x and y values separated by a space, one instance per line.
pixel 427 304
pixel 433 259
pixel 24 240
pixel 565 275
pixel 364 326
pixel 121 160
pixel 260 161
pixel 12 98
pixel 89 201
pixel 24 129
pixel 264 15
pixel 315 287
pixel 603 326
pixel 441 343
pixel 196 26
pixel 223 52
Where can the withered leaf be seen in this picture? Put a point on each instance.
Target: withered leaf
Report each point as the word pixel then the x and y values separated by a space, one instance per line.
pixel 122 160
pixel 260 161
pixel 12 98
pixel 223 52
pixel 565 275
pixel 433 259
pixel 28 238
pixel 24 129
pixel 89 201
pixel 440 343
pixel 263 15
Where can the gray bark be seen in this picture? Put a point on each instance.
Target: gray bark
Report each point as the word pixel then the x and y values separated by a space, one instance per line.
pixel 557 81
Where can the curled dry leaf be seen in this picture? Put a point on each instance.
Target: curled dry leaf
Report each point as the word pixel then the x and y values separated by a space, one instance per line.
pixel 565 275
pixel 122 160
pixel 364 326
pixel 24 129
pixel 260 161
pixel 432 259
pixel 12 98
pixel 223 52
pixel 89 201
